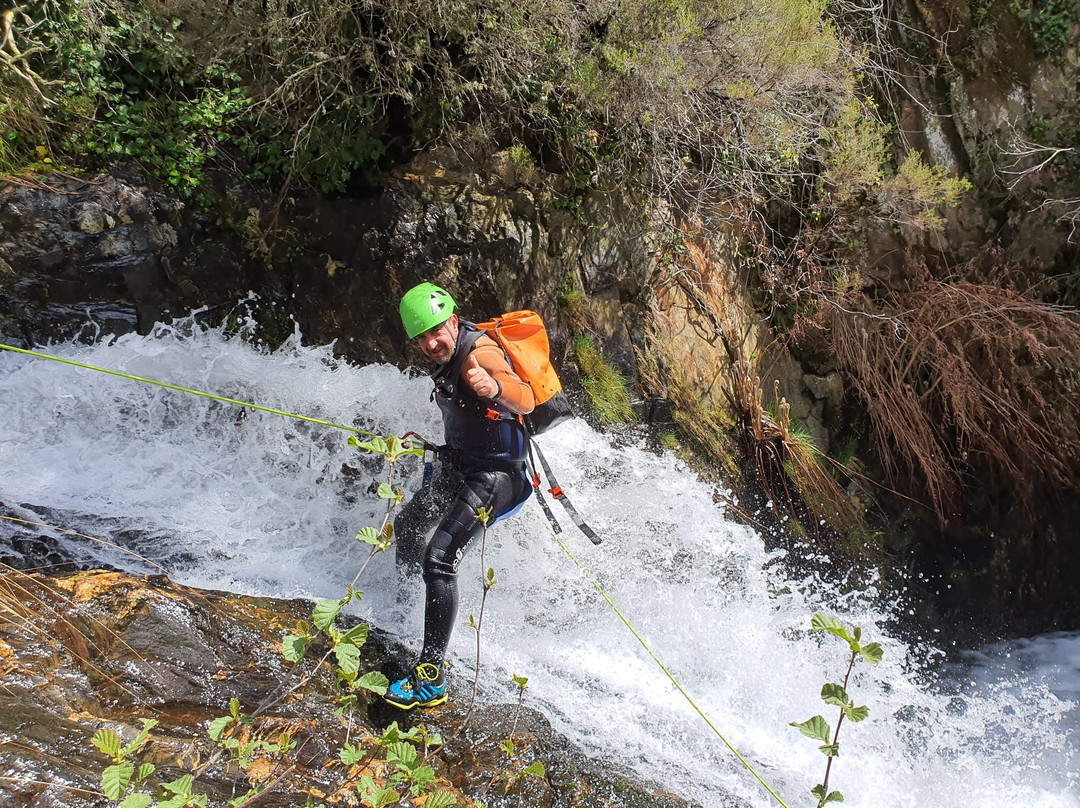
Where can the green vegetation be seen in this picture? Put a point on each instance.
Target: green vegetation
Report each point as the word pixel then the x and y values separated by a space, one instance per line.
pixel 240 738
pixel 1049 23
pixel 836 695
pixel 606 388
pixel 702 102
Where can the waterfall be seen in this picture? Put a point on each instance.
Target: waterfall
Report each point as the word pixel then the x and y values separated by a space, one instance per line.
pixel 258 503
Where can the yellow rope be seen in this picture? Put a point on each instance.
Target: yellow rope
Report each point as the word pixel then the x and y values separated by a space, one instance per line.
pixel 187 390
pixel 656 659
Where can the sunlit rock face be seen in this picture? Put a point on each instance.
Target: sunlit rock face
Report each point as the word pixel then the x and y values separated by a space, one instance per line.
pixel 103 650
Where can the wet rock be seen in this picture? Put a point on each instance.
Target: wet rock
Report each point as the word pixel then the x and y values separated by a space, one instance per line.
pixel 101 650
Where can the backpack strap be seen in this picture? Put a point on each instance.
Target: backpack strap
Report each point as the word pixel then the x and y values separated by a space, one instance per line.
pixel 534 478
pixel 557 492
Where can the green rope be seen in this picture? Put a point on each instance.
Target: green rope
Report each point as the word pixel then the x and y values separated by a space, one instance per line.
pixel 188 390
pixel 656 659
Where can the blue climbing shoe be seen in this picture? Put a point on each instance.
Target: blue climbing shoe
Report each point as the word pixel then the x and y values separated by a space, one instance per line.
pixel 424 687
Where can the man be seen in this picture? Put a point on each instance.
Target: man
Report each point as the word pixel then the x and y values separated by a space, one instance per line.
pixel 482 465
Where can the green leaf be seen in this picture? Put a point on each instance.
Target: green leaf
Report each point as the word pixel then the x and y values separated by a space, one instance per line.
pixel 234 707
pixel 491 576
pixel 440 799
pixel 235 801
pixel 375 682
pixel 872 652
pixel 830 749
pixel 856 714
pixel 816 728
pixel 107 742
pixel 423 778
pixel 834 694
pixel 351 754
pixel 136 800
pixel 145 770
pixel 507 746
pixel 324 613
pixel 293 647
pixel 218 726
pixel 390 735
pixel 521 681
pixel 377 445
pixel 115 779
pixel 369 535
pixel 403 755
pixel 348 658
pixel 140 739
pixel 357 635
pixel 536 769
pixel 373 796
pixel 386 491
pixel 834 796
pixel 180 786
pixel 826 622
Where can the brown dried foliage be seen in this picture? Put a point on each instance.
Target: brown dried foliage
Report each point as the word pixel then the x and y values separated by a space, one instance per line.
pixel 784 459
pixel 962 377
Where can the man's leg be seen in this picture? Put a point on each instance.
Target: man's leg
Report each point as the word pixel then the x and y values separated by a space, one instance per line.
pixel 425 509
pixel 495 490
pixel 426 686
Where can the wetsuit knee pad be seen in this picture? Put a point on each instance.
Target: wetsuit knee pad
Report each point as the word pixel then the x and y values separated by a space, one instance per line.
pixel 438 562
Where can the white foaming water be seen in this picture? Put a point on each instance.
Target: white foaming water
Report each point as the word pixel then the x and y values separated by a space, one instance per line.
pixel 264 504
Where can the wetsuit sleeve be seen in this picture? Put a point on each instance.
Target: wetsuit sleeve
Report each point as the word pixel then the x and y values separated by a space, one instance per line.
pixel 516 395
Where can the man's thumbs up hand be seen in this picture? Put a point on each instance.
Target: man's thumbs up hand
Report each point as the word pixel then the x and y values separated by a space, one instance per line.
pixel 478 379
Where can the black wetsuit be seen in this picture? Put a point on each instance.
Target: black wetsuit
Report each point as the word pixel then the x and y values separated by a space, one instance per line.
pixel 482 465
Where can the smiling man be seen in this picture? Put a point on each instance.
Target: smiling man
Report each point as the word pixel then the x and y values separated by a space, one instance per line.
pixel 481 465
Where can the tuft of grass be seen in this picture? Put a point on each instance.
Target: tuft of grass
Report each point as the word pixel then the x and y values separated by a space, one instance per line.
pixel 574 305
pixel 789 466
pixel 606 388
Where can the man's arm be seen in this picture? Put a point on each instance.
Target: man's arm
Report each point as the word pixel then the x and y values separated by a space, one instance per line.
pixel 489 375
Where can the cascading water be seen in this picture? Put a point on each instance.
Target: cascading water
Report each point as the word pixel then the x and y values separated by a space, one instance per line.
pixel 258 503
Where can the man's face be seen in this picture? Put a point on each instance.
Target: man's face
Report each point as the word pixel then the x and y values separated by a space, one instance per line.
pixel 438 343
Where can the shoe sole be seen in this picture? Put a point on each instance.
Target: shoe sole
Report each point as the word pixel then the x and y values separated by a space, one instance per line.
pixel 432 703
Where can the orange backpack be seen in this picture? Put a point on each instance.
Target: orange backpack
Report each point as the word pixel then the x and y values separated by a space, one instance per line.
pixel 523 338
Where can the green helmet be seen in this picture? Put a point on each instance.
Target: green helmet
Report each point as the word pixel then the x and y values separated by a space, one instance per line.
pixel 425 306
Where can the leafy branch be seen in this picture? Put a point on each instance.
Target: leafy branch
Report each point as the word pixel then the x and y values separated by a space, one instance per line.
pixel 837 695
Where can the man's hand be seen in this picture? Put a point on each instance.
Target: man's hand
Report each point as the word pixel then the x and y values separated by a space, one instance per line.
pixel 479 380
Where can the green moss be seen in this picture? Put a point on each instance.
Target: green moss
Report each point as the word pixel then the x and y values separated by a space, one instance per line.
pixel 606 388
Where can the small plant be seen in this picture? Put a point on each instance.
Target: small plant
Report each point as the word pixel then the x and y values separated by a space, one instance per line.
pixel 606 388
pixel 121 774
pixel 484 515
pixel 523 170
pixel 837 695
pixel 574 306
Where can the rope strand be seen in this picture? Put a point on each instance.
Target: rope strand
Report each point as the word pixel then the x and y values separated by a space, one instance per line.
pixel 178 388
pixel 663 667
